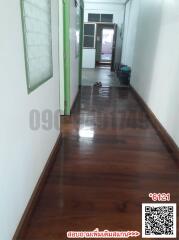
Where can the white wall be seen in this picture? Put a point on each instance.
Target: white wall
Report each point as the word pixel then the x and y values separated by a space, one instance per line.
pixel 107 7
pixel 130 28
pixel 89 56
pixel 73 58
pixel 155 64
pixel 23 152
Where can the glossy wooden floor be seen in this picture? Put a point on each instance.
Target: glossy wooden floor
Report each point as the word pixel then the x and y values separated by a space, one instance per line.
pixel 110 160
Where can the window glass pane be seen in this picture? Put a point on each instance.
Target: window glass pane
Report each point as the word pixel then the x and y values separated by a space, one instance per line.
pixel 106 17
pixel 92 17
pixel 89 29
pixel 88 42
pixel 36 17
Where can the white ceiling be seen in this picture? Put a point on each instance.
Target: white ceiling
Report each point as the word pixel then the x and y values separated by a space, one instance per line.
pixel 107 1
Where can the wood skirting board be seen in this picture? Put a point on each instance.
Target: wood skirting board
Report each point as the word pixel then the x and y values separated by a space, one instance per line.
pixel 36 193
pixel 166 138
pixel 75 101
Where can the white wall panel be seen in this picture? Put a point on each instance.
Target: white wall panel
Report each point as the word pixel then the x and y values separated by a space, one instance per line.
pixel 23 152
pixel 89 56
pixel 155 61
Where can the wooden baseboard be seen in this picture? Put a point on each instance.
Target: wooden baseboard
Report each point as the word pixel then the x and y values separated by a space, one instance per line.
pixel 74 103
pixel 166 138
pixel 36 193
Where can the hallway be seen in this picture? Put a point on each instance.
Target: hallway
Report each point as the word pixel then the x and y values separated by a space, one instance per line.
pixel 110 160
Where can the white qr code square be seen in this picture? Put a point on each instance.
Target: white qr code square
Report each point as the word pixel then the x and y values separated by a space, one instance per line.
pixel 159 220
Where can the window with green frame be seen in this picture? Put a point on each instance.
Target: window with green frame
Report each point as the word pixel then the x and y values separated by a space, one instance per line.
pixel 36 22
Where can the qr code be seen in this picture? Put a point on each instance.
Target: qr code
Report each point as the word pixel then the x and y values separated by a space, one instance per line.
pixel 159 220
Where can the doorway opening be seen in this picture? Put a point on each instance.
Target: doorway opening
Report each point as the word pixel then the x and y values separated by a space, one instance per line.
pixel 105 43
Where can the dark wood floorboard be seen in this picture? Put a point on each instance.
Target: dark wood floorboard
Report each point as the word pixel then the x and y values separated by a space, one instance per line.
pixel 101 181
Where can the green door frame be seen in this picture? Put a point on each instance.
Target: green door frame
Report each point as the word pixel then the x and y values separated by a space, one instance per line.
pixel 67 67
pixel 81 40
pixel 66 30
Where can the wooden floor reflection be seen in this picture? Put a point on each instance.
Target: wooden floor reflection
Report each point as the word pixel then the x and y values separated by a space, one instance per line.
pixel 110 160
